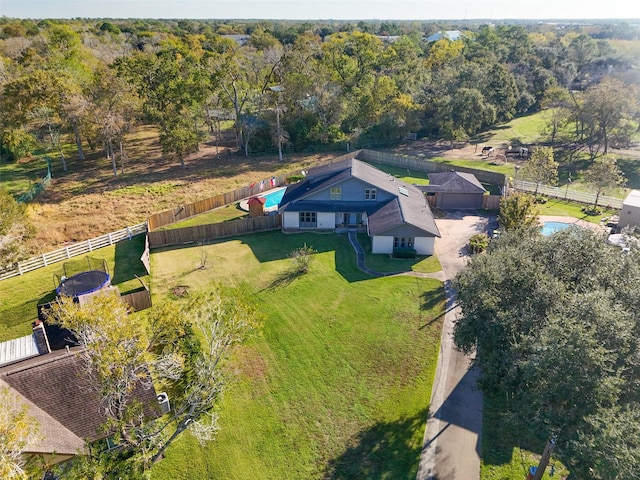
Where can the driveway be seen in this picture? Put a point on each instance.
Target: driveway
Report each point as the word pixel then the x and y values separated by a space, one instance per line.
pixel 452 441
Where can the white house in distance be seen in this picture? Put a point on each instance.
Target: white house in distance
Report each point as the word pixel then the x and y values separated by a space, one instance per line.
pixel 352 194
pixel 630 212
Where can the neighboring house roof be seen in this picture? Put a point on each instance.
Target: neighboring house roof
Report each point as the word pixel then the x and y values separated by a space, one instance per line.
pixel 632 199
pixel 407 207
pixel 57 385
pixel 53 436
pixel 452 35
pixel 453 182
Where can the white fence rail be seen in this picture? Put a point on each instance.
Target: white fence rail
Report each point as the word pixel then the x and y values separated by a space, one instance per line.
pixel 74 250
pixel 565 193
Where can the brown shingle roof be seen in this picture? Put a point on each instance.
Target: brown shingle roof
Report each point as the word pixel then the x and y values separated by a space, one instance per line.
pixel 59 386
pixel 53 436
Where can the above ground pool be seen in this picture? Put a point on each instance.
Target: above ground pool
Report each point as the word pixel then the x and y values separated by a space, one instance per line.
pixel 83 283
pixel 551 227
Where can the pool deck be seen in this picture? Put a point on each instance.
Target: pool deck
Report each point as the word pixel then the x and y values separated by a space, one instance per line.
pixel 244 206
pixel 574 221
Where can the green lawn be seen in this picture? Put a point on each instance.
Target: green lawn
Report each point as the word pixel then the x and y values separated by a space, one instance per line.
pixel 571 209
pixel 507 446
pixel 222 214
pixel 19 296
pixel 338 383
pixel 18 177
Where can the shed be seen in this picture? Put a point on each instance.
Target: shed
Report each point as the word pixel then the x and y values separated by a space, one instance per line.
pixel 256 206
pixel 455 190
pixel 630 212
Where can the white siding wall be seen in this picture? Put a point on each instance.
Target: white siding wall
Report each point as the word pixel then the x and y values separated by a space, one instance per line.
pixel 629 216
pixel 424 245
pixel 382 245
pixel 326 220
pixel 290 220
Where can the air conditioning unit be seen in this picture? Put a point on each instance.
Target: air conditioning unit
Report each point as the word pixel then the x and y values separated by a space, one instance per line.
pixel 163 401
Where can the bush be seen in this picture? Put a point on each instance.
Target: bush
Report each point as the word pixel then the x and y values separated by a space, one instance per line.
pixel 295 178
pixel 478 243
pixel 592 211
pixel 302 258
pixel 541 199
pixel 404 253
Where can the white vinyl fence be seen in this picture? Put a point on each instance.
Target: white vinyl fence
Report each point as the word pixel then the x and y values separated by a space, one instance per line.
pixel 565 193
pixel 74 250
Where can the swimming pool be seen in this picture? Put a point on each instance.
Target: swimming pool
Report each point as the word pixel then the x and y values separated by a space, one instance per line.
pixel 273 198
pixel 551 227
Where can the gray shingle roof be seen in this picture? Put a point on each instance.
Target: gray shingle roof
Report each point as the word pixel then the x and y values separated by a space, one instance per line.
pixel 408 207
pixel 453 182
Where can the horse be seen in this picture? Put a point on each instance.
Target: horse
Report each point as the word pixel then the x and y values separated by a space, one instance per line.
pixel 488 151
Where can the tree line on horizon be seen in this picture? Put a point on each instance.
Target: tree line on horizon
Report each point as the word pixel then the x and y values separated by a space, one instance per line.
pixel 304 85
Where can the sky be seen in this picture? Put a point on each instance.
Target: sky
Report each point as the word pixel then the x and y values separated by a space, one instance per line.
pixel 324 9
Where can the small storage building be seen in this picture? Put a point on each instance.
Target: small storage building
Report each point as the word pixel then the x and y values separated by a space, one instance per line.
pixel 256 206
pixel 630 212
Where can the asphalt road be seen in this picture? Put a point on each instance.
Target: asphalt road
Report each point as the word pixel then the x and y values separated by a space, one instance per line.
pixel 452 441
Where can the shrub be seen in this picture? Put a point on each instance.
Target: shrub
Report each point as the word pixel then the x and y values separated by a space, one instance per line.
pixel 295 178
pixel 478 243
pixel 302 258
pixel 404 253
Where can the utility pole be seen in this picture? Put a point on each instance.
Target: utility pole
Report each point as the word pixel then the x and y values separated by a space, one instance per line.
pixel 546 455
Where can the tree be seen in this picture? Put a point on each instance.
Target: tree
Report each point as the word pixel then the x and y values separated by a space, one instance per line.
pixel 604 174
pixel 14 227
pixel 541 167
pixel 552 323
pixel 119 355
pixel 518 212
pixel 606 107
pixel 18 431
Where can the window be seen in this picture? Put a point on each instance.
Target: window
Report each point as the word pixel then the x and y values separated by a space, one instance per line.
pixel 335 193
pixel 307 219
pixel 370 193
pixel 402 242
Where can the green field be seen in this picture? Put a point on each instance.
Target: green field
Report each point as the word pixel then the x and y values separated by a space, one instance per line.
pixel 337 384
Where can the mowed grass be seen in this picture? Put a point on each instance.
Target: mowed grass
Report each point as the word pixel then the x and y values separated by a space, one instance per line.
pixel 572 209
pixel 338 383
pixel 19 296
pixel 507 446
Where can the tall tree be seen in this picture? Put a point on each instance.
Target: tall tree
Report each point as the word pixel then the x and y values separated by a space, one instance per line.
pixel 541 168
pixel 120 354
pixel 604 174
pixel 552 322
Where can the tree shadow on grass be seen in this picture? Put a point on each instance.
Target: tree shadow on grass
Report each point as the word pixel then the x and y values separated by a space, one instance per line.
pixel 385 450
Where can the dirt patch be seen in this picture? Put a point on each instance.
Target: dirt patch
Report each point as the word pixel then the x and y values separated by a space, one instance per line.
pixel 251 365
pixel 180 291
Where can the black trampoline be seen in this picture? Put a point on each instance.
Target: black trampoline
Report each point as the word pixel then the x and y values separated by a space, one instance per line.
pixel 83 283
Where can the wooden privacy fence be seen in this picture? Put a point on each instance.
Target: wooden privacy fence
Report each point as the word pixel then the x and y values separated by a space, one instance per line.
pixel 565 193
pixel 213 231
pixel 183 212
pixel 138 300
pixel 420 164
pixel 74 250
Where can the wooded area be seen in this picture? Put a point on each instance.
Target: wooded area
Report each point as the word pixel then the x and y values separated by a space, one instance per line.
pixel 297 85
